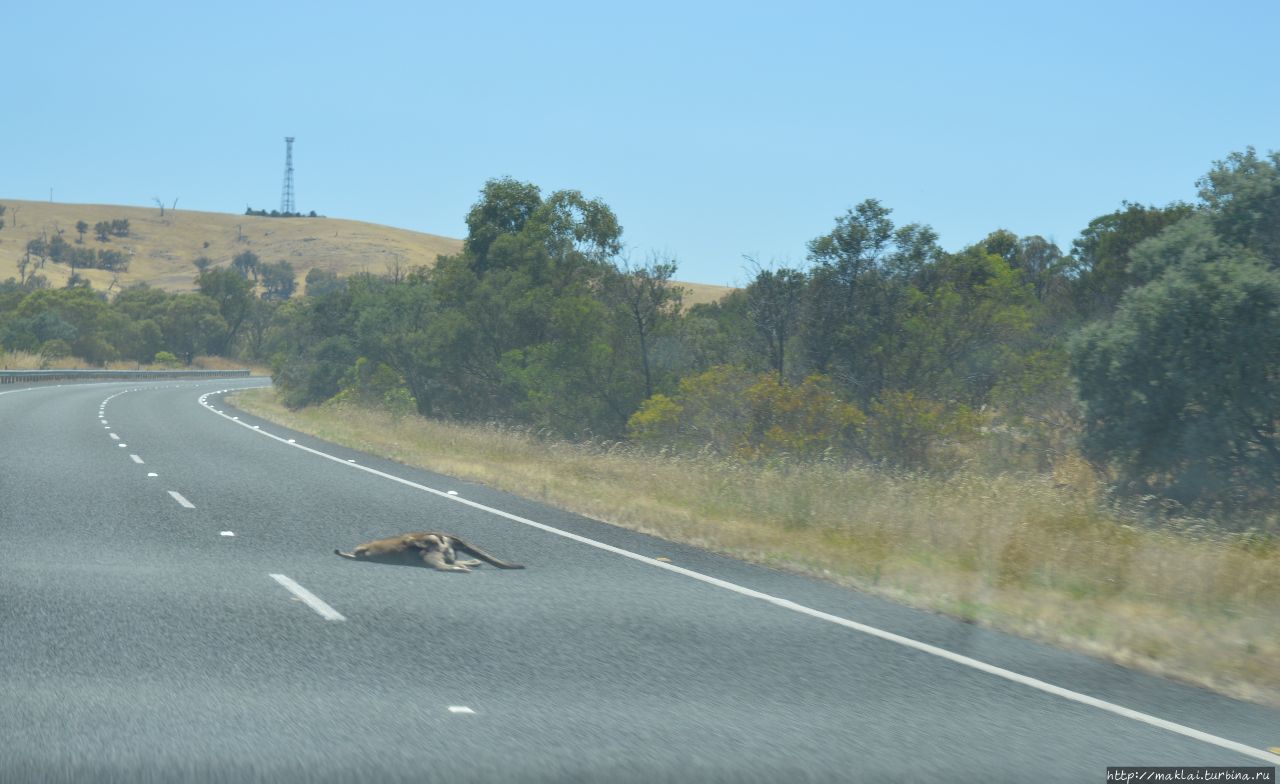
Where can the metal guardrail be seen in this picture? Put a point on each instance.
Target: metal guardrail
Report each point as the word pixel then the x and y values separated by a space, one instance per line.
pixel 35 376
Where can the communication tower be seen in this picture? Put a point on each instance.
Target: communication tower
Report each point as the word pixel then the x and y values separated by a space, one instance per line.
pixel 286 192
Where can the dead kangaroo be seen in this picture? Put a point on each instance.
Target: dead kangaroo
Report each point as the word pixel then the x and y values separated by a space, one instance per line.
pixel 437 550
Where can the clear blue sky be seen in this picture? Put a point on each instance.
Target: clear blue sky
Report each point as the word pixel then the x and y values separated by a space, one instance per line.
pixel 713 130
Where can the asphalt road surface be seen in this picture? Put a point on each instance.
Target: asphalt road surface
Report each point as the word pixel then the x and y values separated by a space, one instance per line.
pixel 171 609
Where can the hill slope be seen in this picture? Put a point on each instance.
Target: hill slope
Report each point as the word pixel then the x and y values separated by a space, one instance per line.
pixel 162 249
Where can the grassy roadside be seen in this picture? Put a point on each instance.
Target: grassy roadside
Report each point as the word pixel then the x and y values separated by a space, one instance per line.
pixel 1032 556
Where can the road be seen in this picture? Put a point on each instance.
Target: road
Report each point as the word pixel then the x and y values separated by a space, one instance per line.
pixel 149 631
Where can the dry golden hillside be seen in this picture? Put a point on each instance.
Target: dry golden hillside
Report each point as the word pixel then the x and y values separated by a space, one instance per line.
pixel 162 249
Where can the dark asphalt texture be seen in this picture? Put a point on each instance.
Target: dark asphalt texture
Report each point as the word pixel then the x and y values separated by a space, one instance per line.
pixel 139 644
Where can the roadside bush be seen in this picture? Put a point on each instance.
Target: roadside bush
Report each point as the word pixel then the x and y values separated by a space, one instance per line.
pixel 55 349
pixel 750 417
pixel 375 385
pixel 907 431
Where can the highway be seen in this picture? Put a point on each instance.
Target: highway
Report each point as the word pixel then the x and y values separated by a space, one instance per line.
pixel 171 610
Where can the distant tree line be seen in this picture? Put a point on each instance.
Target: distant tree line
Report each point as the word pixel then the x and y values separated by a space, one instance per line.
pixel 1151 349
pixel 279 214
pixel 224 316
pixel 58 250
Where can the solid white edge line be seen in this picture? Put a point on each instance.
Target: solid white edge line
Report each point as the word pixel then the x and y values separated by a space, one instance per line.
pixel 178 497
pixel 312 601
pixel 787 604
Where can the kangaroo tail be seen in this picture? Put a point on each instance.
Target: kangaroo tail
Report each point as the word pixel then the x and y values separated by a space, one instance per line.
pixel 458 544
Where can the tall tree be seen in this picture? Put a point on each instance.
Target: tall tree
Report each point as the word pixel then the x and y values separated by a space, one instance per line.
pixel 774 301
pixel 504 207
pixel 1242 194
pixel 1179 386
pixel 1103 251
pixel 857 294
pixel 191 324
pixel 644 292
pixel 231 295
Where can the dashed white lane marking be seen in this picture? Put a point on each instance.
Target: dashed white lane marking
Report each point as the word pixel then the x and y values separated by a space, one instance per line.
pixel 136 459
pixel 122 446
pixel 787 604
pixel 152 473
pixel 460 709
pixel 313 601
pixel 178 497
pixel 227 533
pixel 114 437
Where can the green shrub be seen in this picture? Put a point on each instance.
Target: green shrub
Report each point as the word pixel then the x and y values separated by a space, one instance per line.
pixel 752 417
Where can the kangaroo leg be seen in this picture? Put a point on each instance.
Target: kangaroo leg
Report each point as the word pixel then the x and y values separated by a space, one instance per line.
pixel 344 555
pixel 471 549
pixel 436 560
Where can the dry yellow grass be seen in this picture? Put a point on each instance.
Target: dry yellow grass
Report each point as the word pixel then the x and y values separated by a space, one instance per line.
pixel 1025 555
pixel 23 360
pixel 162 249
pixel 703 293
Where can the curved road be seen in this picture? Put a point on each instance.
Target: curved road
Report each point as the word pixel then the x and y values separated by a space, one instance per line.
pixel 171 609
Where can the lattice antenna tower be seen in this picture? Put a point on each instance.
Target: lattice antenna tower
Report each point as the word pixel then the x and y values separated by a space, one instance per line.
pixel 286 192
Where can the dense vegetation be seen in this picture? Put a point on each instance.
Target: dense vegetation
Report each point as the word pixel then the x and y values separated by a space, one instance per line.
pixel 1151 349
